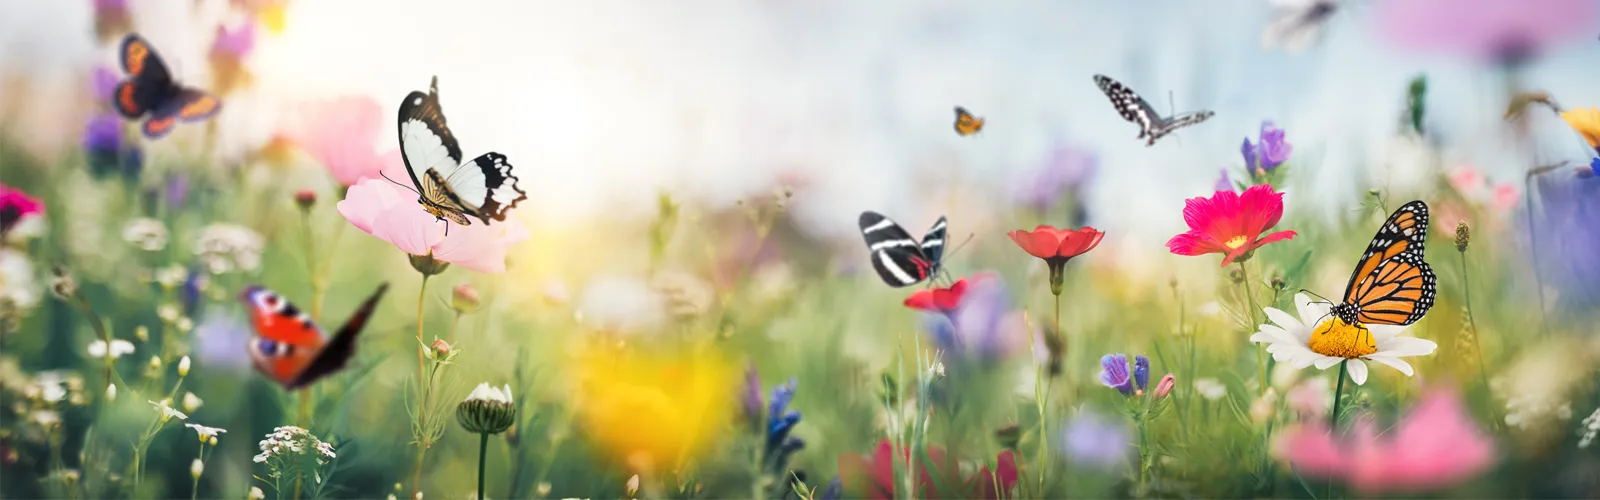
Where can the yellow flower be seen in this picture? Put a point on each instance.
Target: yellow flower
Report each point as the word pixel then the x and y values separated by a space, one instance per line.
pixel 1587 122
pixel 654 410
pixel 273 15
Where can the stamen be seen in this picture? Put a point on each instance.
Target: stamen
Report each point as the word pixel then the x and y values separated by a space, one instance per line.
pixel 1336 338
pixel 1236 242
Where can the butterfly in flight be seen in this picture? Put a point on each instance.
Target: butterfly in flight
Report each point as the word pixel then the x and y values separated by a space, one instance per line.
pixel 292 350
pixel 484 188
pixel 900 259
pixel 150 90
pixel 1391 284
pixel 966 124
pixel 1134 109
pixel 1297 23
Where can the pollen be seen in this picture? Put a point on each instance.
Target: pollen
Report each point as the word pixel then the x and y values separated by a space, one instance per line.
pixel 1237 241
pixel 1336 338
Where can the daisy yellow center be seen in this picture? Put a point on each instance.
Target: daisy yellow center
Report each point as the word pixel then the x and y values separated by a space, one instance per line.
pixel 1338 339
pixel 1235 242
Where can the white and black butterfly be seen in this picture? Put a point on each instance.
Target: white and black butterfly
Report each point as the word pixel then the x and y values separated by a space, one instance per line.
pixel 1133 108
pixel 451 190
pixel 1296 24
pixel 900 259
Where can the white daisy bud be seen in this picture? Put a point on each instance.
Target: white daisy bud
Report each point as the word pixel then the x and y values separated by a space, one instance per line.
pixel 183 367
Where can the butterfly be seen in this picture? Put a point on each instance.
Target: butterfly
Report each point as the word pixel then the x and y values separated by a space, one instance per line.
pixel 1296 23
pixel 150 90
pixel 292 350
pixel 1391 284
pixel 899 259
pixel 966 124
pixel 485 188
pixel 1134 109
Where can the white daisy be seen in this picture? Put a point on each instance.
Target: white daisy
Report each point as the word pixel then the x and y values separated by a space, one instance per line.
pixel 1320 339
pixel 119 347
pixel 205 433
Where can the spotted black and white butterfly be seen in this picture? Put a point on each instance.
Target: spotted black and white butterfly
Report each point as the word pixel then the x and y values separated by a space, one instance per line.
pixel 485 187
pixel 900 259
pixel 1133 108
pixel 1296 24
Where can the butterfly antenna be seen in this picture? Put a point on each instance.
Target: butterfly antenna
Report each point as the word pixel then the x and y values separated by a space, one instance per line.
pixel 408 188
pixel 958 247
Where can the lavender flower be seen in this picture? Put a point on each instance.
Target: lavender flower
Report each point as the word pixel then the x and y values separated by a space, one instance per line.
pixel 104 83
pixel 983 326
pixel 103 135
pixel 1065 171
pixel 1271 151
pixel 1568 233
pixel 236 43
pixel 1114 373
pixel 1141 372
pixel 1223 182
pixel 1093 440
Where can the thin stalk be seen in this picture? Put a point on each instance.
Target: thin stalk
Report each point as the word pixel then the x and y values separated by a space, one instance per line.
pixel 483 451
pixel 1144 454
pixel 1333 414
pixel 311 264
pixel 422 398
pixel 1250 298
pixel 304 421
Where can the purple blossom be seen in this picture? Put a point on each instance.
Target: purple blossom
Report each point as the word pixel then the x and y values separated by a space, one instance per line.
pixel 983 326
pixel 1096 441
pixel 1065 171
pixel 104 83
pixel 238 42
pixel 176 190
pixel 750 396
pixel 103 134
pixel 1271 150
pixel 222 337
pixel 1141 371
pixel 1223 183
pixel 1114 373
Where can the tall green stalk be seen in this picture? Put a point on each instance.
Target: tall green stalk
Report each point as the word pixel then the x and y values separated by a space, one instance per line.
pixel 1250 315
pixel 483 451
pixel 422 395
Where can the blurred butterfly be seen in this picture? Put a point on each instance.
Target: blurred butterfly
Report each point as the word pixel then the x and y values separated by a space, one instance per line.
pixel 1391 284
pixel 1296 24
pixel 150 90
pixel 484 188
pixel 289 348
pixel 1134 109
pixel 899 259
pixel 966 124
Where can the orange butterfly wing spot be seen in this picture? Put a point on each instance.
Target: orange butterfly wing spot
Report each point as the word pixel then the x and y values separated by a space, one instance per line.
pixel 134 54
pixel 1393 285
pixel 202 107
pixel 124 101
pixel 156 127
pixel 966 124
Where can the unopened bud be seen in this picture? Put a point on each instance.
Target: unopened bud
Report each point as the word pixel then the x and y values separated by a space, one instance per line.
pixel 141 333
pixel 543 488
pixel 196 468
pixel 440 348
pixel 305 198
pixel 1235 277
pixel 1164 387
pixel 213 441
pixel 1463 236
pixel 465 299
pixel 1279 284
pixel 155 363
pixel 633 485
pixel 62 285
pixel 183 367
pixel 111 392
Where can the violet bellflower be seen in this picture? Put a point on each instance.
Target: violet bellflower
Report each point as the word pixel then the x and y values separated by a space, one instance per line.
pixel 1141 372
pixel 983 327
pixel 776 429
pixel 1114 373
pixel 1569 231
pixel 1270 152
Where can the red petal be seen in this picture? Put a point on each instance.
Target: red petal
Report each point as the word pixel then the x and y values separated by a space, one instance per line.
pixel 1041 243
pixel 1194 243
pixel 924 300
pixel 1078 242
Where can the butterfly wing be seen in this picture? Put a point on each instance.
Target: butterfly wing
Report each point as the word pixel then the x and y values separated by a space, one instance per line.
pixel 1392 285
pixel 425 141
pixel 149 83
pixel 896 256
pixel 188 105
pixel 932 244
pixel 1168 125
pixel 286 340
pixel 966 124
pixel 341 348
pixel 486 187
pixel 1132 107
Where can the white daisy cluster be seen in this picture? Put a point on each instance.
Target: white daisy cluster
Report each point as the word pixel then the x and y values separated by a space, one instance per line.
pixel 146 234
pixel 1589 429
pixel 1531 409
pixel 229 247
pixel 287 440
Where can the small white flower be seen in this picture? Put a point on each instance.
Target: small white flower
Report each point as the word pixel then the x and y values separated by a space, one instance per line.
pixel 229 247
pixel 257 494
pixel 1589 429
pixel 119 347
pixel 171 276
pixel 183 371
pixel 1210 388
pixel 155 362
pixel 147 234
pixel 633 485
pixel 1322 340
pixel 206 433
pixel 485 392
pixel 191 402
pixel 111 392
pixel 167 413
pixel 45 418
pixel 196 468
pixel 169 312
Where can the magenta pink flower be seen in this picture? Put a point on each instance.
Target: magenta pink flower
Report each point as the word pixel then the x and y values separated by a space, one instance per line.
pixel 1506 31
pixel 340 133
pixel 1435 446
pixel 392 214
pixel 15 206
pixel 1230 223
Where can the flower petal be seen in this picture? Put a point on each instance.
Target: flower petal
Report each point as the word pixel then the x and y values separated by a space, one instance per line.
pixel 410 228
pixel 1283 319
pixel 474 247
pixel 1406 346
pixel 1358 371
pixel 1396 363
pixel 1326 361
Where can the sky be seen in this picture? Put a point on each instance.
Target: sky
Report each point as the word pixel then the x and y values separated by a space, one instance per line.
pixel 601 103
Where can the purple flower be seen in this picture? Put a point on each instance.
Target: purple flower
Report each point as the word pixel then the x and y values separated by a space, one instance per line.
pixel 176 190
pixel 103 134
pixel 221 340
pixel 1502 31
pixel 1114 373
pixel 1568 233
pixel 1271 151
pixel 237 42
pixel 1141 371
pixel 1223 183
pixel 1248 150
pixel 1093 440
pixel 750 396
pixel 110 5
pixel 104 83
pixel 983 326
pixel 1065 171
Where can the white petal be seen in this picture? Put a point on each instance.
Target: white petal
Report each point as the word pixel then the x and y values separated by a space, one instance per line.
pixel 1274 335
pixel 1358 371
pixel 1381 333
pixel 1406 346
pixel 1283 319
pixel 1397 363
pixel 1323 362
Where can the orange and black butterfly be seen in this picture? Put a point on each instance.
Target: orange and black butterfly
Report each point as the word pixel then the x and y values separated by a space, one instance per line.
pixel 1392 285
pixel 150 90
pixel 292 350
pixel 966 124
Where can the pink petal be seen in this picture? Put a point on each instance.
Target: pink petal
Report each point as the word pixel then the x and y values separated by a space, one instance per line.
pixel 410 228
pixel 476 247
pixel 366 200
pixel 1194 243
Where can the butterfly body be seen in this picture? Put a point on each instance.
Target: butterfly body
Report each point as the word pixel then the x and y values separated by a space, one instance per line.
pixel 1152 125
pixel 150 92
pixel 1392 285
pixel 291 349
pixel 484 188
pixel 899 259
pixel 966 124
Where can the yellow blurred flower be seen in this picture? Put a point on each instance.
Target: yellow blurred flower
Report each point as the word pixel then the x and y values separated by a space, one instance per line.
pixel 1587 122
pixel 653 410
pixel 273 15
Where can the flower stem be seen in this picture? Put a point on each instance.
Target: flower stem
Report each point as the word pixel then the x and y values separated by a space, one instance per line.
pixel 483 451
pixel 1338 393
pixel 1144 454
pixel 422 399
pixel 1244 286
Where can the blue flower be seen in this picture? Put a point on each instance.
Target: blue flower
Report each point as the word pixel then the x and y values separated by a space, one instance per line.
pixel 1271 151
pixel 1568 225
pixel 1093 440
pixel 779 444
pixel 1141 371
pixel 1114 373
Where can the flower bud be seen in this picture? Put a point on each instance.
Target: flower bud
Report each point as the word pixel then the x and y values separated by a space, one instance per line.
pixel 257 494
pixel 1463 236
pixel 62 285
pixel 183 367
pixel 1279 284
pixel 191 402
pixel 1234 276
pixel 305 198
pixel 465 299
pixel 488 410
pixel 543 488
pixel 633 485
pixel 111 392
pixel 1164 387
pixel 213 441
pixel 155 363
pixel 427 265
pixel 196 468
pixel 141 333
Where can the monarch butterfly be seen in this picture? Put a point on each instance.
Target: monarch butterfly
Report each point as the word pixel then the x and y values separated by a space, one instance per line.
pixel 1391 284
pixel 966 124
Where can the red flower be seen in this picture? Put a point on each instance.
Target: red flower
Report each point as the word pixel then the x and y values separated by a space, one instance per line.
pixel 875 475
pixel 1056 247
pixel 1230 223
pixel 941 300
pixel 14 206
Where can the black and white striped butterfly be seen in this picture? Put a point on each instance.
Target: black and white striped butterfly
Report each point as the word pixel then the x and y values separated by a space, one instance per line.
pixel 1296 24
pixel 900 259
pixel 1133 108
pixel 484 187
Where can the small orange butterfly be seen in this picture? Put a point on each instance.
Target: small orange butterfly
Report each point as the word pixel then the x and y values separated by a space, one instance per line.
pixel 966 124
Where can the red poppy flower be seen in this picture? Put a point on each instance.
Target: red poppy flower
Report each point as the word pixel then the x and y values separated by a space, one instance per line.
pixel 1056 247
pixel 875 475
pixel 1230 223
pixel 939 300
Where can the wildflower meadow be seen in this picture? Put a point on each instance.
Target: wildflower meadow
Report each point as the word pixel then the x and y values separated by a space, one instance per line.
pixel 622 249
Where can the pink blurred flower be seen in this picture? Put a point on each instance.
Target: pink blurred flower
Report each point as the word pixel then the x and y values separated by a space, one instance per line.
pixel 1230 223
pixel 1310 397
pixel 340 134
pixel 1436 445
pixel 237 42
pixel 15 206
pixel 1506 196
pixel 1506 31
pixel 392 214
pixel 1466 179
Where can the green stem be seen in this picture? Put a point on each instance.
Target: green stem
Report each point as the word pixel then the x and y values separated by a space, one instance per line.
pixel 1144 454
pixel 422 398
pixel 311 264
pixel 1338 393
pixel 1250 298
pixel 483 451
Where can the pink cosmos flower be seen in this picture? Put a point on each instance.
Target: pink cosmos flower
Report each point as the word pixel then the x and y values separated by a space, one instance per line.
pixel 1506 196
pixel 392 214
pixel 1230 223
pixel 1437 445
pixel 1466 179
pixel 15 206
pixel 340 134
pixel 1506 31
